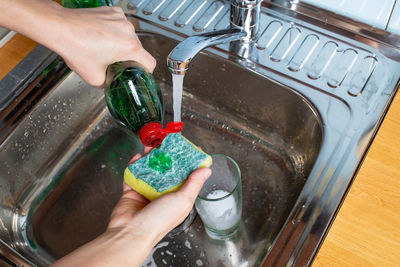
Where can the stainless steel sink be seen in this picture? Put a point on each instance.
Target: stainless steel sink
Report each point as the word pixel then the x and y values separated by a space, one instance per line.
pixel 70 148
pixel 298 138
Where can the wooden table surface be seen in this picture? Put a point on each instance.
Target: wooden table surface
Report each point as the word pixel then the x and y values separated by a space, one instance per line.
pixel 366 230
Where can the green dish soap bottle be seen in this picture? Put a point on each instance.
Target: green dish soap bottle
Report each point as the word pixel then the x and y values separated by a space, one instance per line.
pixel 134 99
pixel 132 95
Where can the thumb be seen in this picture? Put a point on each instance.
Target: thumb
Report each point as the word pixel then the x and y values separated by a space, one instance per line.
pixel 194 183
pixel 177 205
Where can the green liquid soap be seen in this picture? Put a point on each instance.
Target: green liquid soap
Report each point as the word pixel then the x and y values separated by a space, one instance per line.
pixel 132 95
pixel 86 3
pixel 160 162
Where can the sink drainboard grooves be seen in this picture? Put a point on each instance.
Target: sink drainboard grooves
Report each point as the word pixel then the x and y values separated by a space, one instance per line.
pixel 310 56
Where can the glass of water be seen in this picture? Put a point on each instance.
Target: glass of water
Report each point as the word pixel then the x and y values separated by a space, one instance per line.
pixel 219 203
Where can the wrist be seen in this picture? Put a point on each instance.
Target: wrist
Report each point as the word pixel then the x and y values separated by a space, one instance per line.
pixel 130 247
pixel 50 25
pixel 134 234
pixel 113 248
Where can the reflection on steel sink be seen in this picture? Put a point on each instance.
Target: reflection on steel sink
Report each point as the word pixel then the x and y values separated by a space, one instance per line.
pixel 273 133
pixel 297 131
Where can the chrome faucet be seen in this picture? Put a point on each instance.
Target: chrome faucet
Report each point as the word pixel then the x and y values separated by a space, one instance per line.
pixel 244 20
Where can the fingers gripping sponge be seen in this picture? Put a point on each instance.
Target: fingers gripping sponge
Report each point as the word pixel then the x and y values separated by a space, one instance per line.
pixel 165 169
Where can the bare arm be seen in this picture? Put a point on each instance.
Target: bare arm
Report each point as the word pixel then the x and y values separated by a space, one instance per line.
pixel 88 39
pixel 136 226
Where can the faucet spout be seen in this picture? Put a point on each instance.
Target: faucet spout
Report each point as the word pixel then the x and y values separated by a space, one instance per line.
pixel 244 26
pixel 180 57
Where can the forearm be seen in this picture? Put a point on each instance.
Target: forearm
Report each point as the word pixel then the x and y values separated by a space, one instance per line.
pixel 88 39
pixel 136 226
pixel 35 19
pixel 109 249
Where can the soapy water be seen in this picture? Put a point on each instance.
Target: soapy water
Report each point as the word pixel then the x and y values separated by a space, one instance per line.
pixel 149 262
pixel 219 215
pixel 187 244
pixel 177 85
pixel 199 262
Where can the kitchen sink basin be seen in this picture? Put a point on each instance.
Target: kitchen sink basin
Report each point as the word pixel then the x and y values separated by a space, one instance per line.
pixel 297 130
pixel 71 146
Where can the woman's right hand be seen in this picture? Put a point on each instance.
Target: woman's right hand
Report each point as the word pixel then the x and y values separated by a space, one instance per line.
pixel 89 39
pixel 137 225
pixel 96 37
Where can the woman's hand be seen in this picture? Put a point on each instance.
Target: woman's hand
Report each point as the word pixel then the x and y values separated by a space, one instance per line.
pixel 93 38
pixel 88 39
pixel 137 225
pixel 157 218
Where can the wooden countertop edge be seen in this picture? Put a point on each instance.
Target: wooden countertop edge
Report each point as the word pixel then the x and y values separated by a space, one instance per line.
pixel 366 229
pixel 13 52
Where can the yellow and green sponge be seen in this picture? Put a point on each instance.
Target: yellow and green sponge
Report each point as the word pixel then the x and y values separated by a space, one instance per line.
pixel 165 169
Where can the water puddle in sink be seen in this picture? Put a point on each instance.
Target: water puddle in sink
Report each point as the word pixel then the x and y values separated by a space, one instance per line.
pixel 77 209
pixel 177 84
pixel 272 133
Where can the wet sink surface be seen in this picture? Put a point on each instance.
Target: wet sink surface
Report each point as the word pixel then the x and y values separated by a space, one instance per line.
pixel 75 156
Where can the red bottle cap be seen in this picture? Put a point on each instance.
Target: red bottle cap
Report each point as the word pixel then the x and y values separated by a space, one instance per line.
pixel 174 127
pixel 153 134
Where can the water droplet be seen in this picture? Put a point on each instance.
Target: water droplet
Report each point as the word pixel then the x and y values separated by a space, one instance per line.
pixel 187 244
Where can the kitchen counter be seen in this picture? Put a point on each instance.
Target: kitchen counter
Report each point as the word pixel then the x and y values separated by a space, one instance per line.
pixel 365 231
pixel 13 51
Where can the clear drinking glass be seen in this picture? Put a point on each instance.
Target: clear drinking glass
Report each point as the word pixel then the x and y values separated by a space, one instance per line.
pixel 219 203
